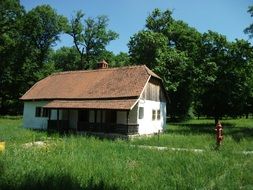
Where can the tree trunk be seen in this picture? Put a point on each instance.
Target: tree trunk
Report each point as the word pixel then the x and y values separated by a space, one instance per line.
pixel 247 115
pixel 216 119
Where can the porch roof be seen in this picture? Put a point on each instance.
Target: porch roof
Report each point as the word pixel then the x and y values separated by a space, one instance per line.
pixel 122 104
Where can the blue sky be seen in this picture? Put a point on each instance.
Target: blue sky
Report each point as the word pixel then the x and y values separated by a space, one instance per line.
pixel 127 17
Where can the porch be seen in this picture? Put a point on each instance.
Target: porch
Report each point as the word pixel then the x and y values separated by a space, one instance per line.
pixel 94 116
pixel 108 128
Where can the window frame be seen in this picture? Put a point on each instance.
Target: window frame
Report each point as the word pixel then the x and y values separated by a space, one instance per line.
pixel 38 111
pixel 45 112
pixel 153 115
pixel 158 114
pixel 141 113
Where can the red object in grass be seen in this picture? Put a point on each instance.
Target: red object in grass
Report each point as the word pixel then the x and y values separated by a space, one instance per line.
pixel 219 133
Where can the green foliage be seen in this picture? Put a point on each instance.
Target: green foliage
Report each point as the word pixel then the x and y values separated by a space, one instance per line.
pixel 90 37
pixel 225 85
pixel 80 162
pixel 41 28
pixel 66 59
pixel 203 71
pixel 145 47
pixel 121 59
pixel 11 13
pixel 170 48
pixel 26 41
pixel 159 21
pixel 249 29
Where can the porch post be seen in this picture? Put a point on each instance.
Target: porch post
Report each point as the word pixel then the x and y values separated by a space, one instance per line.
pixel 68 114
pixel 95 115
pixel 77 123
pixel 49 114
pixel 127 121
pixel 68 122
pixel 101 119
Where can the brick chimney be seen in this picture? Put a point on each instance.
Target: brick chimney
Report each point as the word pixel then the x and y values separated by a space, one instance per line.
pixel 102 65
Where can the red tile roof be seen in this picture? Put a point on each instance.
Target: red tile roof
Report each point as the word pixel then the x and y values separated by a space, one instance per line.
pixel 114 83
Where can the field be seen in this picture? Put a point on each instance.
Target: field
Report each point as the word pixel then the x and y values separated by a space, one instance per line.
pixel 82 162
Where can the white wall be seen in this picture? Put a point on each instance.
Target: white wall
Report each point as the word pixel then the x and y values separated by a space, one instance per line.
pixel 29 119
pixel 146 124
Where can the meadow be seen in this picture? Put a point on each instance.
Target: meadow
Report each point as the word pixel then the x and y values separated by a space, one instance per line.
pixel 82 162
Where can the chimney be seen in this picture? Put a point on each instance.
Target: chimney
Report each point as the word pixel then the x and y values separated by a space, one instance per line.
pixel 102 65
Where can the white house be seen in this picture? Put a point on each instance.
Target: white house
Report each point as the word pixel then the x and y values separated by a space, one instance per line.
pixel 126 100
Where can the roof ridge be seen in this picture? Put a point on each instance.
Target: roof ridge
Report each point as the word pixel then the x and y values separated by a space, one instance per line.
pixel 98 70
pixel 150 72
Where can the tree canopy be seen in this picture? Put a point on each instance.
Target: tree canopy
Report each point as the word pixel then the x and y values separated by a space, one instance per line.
pixel 249 29
pixel 90 37
pixel 205 72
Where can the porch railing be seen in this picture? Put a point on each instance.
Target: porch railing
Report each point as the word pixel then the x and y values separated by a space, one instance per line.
pixel 108 128
pixel 63 125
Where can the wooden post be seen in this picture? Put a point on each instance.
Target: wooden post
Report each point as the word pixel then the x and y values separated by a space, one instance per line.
pixel 95 115
pixel 77 123
pixel 49 114
pixel 127 120
pixel 68 122
pixel 49 119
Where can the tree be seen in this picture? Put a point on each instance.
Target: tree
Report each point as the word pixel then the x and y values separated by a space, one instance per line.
pixel 144 47
pixel 25 43
pixel 226 81
pixel 249 29
pixel 66 59
pixel 159 21
pixel 90 38
pixel 11 13
pixel 170 48
pixel 122 59
pixel 174 68
pixel 41 29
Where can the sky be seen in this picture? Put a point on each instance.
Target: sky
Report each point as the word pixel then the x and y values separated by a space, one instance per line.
pixel 127 17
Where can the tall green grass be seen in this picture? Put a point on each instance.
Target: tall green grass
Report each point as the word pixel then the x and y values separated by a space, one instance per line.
pixel 81 162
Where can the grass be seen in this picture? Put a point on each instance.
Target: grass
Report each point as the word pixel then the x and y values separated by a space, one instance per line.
pixel 80 162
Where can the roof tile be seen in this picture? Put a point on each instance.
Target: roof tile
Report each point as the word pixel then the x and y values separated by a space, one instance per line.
pixel 92 84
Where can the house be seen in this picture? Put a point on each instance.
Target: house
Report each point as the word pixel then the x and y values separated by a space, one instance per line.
pixel 126 100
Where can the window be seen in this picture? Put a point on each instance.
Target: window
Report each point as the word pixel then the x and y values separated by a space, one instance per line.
pixel 153 115
pixel 141 112
pixel 45 112
pixel 38 111
pixel 41 112
pixel 158 115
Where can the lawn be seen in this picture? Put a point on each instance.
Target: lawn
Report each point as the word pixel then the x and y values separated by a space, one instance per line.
pixel 81 162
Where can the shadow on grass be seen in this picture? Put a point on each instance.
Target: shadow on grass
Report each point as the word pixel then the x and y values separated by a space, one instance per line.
pixel 187 128
pixel 10 117
pixel 61 182
pixel 237 133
